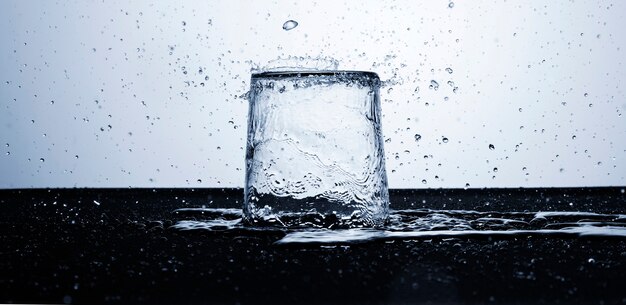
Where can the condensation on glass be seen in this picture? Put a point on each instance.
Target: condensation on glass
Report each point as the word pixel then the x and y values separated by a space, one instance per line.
pixel 315 150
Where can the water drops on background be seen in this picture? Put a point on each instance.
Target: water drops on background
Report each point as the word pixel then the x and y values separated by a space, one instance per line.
pixel 290 25
pixel 434 85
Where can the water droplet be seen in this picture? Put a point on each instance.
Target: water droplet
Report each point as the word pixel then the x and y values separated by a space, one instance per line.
pixel 591 260
pixel 449 70
pixel 8 153
pixel 424 181
pixel 451 4
pixel 42 160
pixel 433 84
pixel 51 102
pixel 491 147
pixel 467 185
pixel 586 94
pixel 7 144
pixel 199 180
pixel 444 140
pixel 495 169
pixel 290 25
pixel 574 137
pixel 417 137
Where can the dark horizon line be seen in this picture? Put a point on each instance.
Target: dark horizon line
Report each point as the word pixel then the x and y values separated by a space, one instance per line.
pixel 240 188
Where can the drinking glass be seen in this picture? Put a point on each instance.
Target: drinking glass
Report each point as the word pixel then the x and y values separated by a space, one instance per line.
pixel 315 150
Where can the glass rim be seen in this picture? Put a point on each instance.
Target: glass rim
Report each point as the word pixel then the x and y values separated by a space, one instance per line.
pixel 307 73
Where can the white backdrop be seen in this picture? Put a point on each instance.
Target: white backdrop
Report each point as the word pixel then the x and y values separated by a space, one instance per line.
pixel 112 94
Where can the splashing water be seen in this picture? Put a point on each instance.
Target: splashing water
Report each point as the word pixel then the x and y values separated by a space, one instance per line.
pixel 298 63
pixel 417 224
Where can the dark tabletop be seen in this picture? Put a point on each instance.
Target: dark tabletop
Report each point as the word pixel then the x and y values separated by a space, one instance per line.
pixel 93 246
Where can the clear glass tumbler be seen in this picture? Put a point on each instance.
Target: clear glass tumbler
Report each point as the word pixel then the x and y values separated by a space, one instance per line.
pixel 315 150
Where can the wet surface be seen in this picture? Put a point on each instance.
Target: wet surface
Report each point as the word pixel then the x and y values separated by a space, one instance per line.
pixel 188 246
pixel 315 228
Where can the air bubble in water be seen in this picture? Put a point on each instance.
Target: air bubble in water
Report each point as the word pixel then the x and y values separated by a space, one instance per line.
pixel 417 137
pixel 42 160
pixel 290 25
pixel 492 147
pixel 451 4
pixel 444 139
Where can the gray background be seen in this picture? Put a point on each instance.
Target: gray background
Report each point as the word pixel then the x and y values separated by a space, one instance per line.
pixel 147 94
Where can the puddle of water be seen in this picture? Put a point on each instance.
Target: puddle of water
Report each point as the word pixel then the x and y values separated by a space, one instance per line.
pixel 419 224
